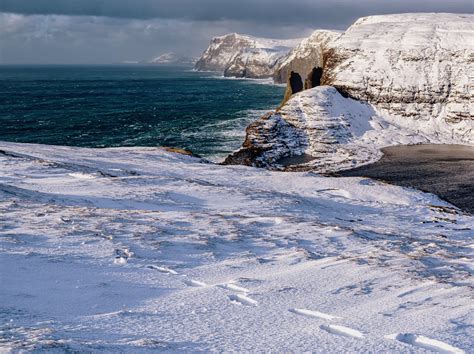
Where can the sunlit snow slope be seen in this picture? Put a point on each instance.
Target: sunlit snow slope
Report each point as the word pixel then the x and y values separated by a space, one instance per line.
pixel 140 249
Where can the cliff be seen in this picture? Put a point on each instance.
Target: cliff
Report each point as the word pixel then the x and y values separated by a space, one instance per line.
pixel 244 56
pixel 411 65
pixel 396 79
pixel 173 58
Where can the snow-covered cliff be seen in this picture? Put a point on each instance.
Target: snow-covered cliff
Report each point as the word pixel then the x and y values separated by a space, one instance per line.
pixel 333 133
pixel 396 79
pixel 173 58
pixel 244 56
pixel 417 66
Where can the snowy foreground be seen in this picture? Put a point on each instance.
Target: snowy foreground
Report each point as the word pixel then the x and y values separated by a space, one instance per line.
pixel 140 249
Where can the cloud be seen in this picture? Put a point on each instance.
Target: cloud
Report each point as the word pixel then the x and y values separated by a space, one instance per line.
pixel 308 12
pixel 110 31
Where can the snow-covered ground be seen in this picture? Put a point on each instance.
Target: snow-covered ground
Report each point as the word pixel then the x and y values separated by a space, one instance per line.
pixel 140 249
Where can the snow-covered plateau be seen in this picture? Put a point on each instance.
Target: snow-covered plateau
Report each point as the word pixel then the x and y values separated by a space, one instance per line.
pixel 140 249
pixel 417 66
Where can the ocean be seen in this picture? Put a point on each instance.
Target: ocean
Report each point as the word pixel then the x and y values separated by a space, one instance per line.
pixel 130 105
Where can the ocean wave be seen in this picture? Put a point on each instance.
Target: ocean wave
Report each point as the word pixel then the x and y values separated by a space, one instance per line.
pixel 268 81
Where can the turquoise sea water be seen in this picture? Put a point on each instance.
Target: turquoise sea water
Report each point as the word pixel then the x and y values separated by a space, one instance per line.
pixel 108 106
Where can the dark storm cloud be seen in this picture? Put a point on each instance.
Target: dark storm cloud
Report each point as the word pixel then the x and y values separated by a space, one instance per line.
pixel 338 13
pixel 111 31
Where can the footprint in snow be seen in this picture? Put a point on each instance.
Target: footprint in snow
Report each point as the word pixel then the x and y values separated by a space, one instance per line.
pixel 234 287
pixel 195 283
pixel 242 300
pixel 313 314
pixel 425 343
pixel 342 331
pixel 162 269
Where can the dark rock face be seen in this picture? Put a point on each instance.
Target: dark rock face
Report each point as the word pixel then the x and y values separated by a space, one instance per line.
pixel 262 139
pixel 296 83
pixel 314 78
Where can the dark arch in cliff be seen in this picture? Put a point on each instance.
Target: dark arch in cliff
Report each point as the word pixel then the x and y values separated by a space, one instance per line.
pixel 296 83
pixel 314 78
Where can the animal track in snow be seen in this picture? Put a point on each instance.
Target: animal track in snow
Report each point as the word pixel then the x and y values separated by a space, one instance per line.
pixel 425 343
pixel 315 314
pixel 162 269
pixel 242 300
pixel 233 287
pixel 342 330
pixel 195 283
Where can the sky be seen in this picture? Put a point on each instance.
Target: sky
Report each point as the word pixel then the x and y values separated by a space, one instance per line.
pixel 114 31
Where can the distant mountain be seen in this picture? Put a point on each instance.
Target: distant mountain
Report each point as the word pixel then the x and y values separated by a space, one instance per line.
pixel 239 55
pixel 173 58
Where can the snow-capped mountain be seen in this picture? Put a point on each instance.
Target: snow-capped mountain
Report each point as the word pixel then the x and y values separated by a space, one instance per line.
pixel 173 58
pixel 396 79
pixel 244 56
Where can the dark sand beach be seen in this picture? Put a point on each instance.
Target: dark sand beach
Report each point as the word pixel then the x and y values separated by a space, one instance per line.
pixel 445 170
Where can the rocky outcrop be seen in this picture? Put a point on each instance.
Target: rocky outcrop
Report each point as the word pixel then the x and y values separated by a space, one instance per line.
pixel 222 50
pixel 338 132
pixel 317 122
pixel 244 56
pixel 396 79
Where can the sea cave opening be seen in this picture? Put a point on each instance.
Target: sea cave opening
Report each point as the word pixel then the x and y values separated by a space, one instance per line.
pixel 314 78
pixel 296 83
